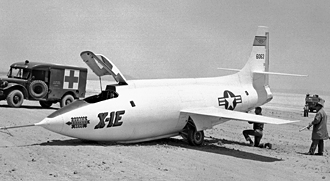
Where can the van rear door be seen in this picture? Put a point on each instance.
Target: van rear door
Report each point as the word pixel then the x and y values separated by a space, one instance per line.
pixel 56 83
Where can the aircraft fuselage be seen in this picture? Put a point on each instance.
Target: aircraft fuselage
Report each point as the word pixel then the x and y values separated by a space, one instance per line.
pixel 152 111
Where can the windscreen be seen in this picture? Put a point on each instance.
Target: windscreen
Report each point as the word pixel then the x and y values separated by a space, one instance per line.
pixel 19 73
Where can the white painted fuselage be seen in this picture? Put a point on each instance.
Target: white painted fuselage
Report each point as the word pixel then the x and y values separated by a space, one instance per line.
pixel 141 110
pixel 150 109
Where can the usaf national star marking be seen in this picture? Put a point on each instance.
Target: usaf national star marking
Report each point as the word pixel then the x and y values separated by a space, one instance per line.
pixel 229 100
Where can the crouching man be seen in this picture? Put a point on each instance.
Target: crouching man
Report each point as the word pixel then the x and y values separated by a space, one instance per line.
pixel 257 132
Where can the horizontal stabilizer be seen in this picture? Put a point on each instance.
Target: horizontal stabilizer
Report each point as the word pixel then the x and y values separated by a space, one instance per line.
pixel 265 73
pixel 277 73
pixel 206 118
pixel 237 70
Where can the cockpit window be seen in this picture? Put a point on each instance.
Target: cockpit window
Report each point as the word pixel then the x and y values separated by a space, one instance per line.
pixel 104 95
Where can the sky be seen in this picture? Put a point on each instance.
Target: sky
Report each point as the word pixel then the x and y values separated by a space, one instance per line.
pixel 173 38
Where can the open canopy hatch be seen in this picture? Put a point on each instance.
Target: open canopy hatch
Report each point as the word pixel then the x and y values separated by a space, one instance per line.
pixel 101 66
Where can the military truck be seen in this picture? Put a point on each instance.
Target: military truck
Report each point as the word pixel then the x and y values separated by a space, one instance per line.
pixel 44 82
pixel 311 100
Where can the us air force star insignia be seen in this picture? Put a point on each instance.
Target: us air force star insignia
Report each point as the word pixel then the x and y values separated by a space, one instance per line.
pixel 229 100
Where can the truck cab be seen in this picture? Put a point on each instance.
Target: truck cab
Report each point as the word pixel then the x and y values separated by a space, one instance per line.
pixel 311 101
pixel 44 82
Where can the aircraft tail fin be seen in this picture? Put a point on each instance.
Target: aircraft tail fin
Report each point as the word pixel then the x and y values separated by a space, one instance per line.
pixel 258 62
pixel 259 57
pixel 256 70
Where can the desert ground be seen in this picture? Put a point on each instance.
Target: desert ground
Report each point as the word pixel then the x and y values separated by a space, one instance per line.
pixel 35 153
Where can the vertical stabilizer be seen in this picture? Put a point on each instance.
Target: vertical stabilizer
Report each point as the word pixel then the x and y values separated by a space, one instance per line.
pixel 258 62
pixel 259 58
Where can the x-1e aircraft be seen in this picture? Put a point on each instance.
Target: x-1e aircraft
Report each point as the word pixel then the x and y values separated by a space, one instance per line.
pixel 143 110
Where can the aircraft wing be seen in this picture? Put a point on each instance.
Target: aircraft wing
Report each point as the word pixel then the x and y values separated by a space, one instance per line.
pixel 102 66
pixel 206 118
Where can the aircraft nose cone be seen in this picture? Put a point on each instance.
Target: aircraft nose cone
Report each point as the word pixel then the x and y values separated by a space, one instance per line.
pixel 57 120
pixel 54 124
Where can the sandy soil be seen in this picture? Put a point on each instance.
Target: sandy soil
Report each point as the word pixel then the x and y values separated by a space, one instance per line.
pixel 37 154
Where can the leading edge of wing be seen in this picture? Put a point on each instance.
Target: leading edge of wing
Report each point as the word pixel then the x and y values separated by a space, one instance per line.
pixel 205 118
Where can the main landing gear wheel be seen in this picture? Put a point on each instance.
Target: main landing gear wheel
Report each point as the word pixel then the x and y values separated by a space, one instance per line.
pixel 190 133
pixel 195 138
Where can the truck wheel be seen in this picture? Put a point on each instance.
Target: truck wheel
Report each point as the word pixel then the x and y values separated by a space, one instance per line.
pixel 67 99
pixel 45 104
pixel 38 89
pixel 15 98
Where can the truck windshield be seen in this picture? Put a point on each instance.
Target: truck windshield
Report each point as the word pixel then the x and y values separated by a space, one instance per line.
pixel 19 73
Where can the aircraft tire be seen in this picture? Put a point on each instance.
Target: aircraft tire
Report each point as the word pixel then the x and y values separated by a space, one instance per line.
pixel 67 99
pixel 38 89
pixel 195 138
pixel 15 98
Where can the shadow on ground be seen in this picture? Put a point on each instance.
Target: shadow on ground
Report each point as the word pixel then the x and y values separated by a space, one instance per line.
pixel 213 145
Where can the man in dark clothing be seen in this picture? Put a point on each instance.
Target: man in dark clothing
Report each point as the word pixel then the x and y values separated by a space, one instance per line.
pixel 306 110
pixel 320 132
pixel 257 132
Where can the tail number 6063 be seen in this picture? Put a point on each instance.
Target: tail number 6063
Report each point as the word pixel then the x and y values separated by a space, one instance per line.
pixel 260 56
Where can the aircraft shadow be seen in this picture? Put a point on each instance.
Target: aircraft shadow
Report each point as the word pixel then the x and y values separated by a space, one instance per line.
pixel 211 146
pixel 26 107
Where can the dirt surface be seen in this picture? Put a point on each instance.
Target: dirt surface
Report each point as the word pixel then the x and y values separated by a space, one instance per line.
pixel 37 154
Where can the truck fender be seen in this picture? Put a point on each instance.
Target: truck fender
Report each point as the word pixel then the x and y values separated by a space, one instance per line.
pixel 13 86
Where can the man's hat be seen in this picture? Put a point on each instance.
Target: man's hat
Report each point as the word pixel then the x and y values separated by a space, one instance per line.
pixel 321 102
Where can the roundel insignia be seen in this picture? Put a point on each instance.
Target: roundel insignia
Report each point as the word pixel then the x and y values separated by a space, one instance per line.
pixel 229 100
